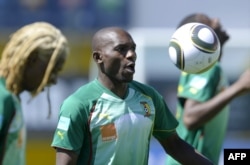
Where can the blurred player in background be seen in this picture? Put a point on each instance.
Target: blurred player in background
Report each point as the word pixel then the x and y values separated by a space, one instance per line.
pixel 202 107
pixel 30 61
pixel 111 119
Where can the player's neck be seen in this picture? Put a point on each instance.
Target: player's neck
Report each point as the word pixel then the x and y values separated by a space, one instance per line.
pixel 118 88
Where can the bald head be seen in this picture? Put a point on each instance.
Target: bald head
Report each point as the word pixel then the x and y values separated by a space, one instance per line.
pixel 107 35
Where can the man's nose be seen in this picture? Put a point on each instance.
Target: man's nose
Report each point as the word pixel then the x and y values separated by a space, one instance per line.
pixel 132 55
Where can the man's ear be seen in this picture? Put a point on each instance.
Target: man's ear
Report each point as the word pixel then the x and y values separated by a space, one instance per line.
pixel 97 57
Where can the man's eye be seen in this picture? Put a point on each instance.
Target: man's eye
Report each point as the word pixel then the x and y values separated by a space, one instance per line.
pixel 133 48
pixel 121 49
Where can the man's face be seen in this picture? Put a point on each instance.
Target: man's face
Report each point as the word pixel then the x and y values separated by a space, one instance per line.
pixel 119 56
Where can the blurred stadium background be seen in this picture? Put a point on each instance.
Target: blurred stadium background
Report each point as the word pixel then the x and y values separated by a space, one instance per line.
pixel 151 23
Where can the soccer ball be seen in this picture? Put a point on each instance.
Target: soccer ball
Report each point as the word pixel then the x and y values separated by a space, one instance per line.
pixel 194 48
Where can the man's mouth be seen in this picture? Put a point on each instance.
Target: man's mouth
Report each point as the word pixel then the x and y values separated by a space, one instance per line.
pixel 130 67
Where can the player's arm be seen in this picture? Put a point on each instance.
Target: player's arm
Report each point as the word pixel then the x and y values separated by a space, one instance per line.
pixel 197 114
pixel 65 157
pixel 182 151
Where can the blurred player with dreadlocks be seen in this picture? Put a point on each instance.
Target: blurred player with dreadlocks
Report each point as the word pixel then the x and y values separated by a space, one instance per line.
pixel 30 61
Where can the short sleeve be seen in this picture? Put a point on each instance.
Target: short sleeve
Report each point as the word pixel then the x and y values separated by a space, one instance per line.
pixel 71 128
pixel 165 123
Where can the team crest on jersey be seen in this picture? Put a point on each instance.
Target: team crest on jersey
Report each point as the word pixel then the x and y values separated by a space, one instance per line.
pixel 146 109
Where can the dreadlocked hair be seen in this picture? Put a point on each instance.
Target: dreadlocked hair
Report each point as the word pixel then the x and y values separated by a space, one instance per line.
pixel 42 37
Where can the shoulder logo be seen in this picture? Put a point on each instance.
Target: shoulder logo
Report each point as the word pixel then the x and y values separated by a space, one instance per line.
pixel 63 123
pixel 146 108
pixel 60 134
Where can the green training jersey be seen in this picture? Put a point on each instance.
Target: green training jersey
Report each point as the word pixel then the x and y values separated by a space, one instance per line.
pixel 201 87
pixel 12 128
pixel 105 129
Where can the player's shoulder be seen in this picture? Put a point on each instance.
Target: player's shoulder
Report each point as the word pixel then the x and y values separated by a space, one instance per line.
pixel 144 88
pixel 4 92
pixel 215 68
pixel 213 72
pixel 84 93
pixel 7 99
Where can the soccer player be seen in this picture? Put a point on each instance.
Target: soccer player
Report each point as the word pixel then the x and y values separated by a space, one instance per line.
pixel 111 119
pixel 30 61
pixel 202 107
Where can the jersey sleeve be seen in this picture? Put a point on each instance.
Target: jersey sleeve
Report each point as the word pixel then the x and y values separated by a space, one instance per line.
pixel 199 87
pixel 165 123
pixel 7 111
pixel 72 126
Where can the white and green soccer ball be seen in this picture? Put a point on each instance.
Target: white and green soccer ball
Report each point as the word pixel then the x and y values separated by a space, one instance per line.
pixel 194 48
